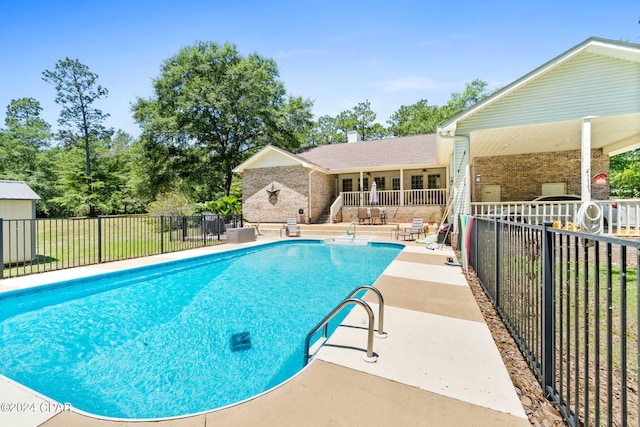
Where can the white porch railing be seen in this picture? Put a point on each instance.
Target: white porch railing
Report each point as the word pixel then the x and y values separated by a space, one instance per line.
pixel 395 197
pixel 619 217
pixel 335 208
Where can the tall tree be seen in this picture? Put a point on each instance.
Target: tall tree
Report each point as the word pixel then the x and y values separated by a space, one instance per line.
pixel 217 107
pixel 474 92
pixel 424 118
pixel 81 123
pixel 416 119
pixel 360 118
pixel 26 135
pixel 23 152
pixel 324 131
pixel 24 123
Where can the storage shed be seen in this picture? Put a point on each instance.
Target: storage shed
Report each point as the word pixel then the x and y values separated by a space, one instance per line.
pixel 18 213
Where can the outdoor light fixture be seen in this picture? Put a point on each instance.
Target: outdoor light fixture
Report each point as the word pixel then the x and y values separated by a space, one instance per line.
pixel 478 178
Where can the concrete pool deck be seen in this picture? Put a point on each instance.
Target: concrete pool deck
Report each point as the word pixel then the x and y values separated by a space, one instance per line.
pixel 438 365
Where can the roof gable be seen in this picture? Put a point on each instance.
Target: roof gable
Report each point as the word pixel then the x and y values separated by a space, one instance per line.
pixel 16 190
pixel 575 84
pixel 270 156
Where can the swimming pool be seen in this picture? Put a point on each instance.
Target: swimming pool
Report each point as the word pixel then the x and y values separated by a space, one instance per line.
pixel 156 341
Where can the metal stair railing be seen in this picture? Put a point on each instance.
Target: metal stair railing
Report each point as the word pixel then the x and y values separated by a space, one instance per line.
pixel 370 356
pixel 381 333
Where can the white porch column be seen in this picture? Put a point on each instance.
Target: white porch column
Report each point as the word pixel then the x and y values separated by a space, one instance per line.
pixel 401 187
pixel 585 162
pixel 361 186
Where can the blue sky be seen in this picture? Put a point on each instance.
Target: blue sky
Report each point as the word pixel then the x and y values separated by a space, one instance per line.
pixel 335 53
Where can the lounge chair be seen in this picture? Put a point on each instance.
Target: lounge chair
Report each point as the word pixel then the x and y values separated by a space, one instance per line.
pixel 417 227
pixel 292 228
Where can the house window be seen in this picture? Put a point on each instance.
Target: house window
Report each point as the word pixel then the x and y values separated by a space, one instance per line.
pixel 365 183
pixel 395 183
pixel 433 181
pixel 379 182
pixel 417 182
pixel 347 185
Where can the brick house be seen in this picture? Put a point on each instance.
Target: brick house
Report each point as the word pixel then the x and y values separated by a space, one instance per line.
pixel 551 131
pixel 329 182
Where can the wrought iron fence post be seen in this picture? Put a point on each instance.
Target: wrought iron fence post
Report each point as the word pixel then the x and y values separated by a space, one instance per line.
pixel 183 222
pixel 99 239
pixel 496 263
pixel 1 249
pixel 203 228
pixel 161 234
pixel 548 320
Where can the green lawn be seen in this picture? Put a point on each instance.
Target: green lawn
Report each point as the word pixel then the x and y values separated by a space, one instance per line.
pixel 66 243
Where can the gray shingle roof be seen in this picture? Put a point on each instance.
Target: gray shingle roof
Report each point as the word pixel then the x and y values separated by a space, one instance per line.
pixel 408 150
pixel 16 190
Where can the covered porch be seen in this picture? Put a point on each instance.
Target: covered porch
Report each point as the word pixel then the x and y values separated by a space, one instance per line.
pixel 391 190
pixel 550 132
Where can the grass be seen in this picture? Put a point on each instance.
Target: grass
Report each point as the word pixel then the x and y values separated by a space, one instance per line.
pixel 596 321
pixel 67 243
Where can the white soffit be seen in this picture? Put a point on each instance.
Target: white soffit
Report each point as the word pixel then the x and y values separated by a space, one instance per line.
pixel 614 134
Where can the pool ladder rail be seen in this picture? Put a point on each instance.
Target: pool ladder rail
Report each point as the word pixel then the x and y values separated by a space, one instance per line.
pixel 370 356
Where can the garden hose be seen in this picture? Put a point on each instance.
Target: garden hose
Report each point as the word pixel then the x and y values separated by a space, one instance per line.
pixel 589 216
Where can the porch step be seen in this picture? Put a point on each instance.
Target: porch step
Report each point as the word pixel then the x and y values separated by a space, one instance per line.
pixel 323 219
pixel 325 216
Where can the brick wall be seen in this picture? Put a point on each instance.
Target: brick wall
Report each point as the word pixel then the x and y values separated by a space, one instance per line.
pixel 400 214
pixel 293 183
pixel 322 194
pixel 521 176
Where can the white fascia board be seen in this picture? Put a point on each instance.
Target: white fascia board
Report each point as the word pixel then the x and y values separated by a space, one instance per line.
pixel 272 149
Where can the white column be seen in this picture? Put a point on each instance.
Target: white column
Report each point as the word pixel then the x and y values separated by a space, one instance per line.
pixel 585 162
pixel 361 202
pixel 401 187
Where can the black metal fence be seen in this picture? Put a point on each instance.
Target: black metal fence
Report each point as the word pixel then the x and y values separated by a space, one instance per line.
pixel 38 245
pixel 570 300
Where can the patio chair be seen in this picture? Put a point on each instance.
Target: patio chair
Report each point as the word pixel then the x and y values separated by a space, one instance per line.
pixel 375 215
pixel 417 227
pixel 292 228
pixel 363 215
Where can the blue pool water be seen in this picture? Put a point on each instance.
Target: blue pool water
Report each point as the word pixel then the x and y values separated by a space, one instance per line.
pixel 156 341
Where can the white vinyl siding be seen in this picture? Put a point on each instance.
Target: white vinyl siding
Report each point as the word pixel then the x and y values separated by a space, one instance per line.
pixel 578 88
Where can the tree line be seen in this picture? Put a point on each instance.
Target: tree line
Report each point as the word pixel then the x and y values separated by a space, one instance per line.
pixel 211 109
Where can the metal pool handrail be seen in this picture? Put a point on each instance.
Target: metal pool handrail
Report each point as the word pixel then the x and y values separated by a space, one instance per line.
pixel 370 356
pixel 381 333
